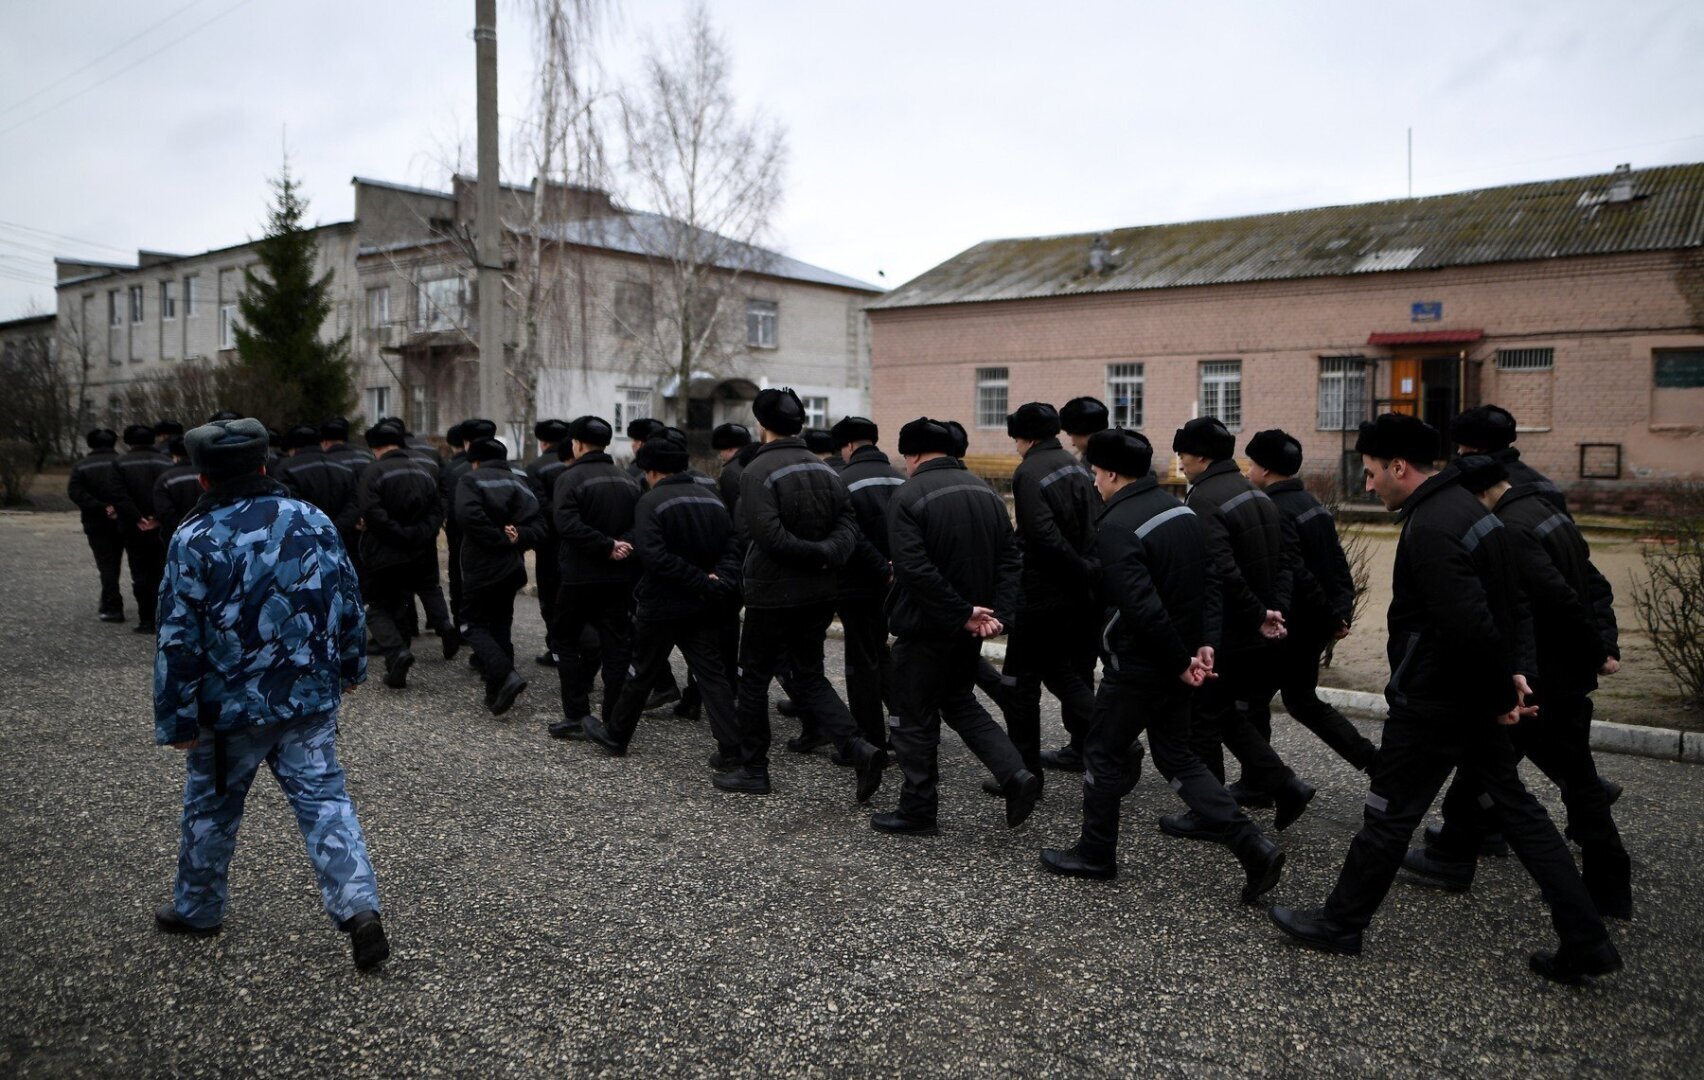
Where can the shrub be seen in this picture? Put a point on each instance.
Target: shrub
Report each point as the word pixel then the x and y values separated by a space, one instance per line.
pixel 17 470
pixel 1669 602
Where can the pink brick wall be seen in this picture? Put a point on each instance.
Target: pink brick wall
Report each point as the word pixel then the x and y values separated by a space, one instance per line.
pixel 1601 315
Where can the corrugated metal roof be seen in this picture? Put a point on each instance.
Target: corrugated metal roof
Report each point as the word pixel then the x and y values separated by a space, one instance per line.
pixel 1542 220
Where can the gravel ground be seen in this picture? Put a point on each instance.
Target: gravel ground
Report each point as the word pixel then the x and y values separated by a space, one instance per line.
pixel 553 911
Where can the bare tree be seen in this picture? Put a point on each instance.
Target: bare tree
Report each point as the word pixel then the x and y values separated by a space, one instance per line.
pixel 1669 599
pixel 714 176
pixel 40 413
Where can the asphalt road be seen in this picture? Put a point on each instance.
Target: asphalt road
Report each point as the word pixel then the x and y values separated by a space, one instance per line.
pixel 553 911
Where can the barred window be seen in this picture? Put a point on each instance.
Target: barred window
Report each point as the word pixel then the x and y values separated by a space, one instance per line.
pixel 1221 391
pixel 991 397
pixel 1525 359
pixel 1342 392
pixel 1124 385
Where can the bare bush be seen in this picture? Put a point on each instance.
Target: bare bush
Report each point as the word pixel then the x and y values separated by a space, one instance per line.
pixel 17 470
pixel 1669 601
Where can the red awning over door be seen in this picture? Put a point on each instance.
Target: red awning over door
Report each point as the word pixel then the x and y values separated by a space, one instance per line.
pixel 1427 337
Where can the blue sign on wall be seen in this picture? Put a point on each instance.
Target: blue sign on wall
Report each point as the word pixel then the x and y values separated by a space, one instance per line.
pixel 1426 311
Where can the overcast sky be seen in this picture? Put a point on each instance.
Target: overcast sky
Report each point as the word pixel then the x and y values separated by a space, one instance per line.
pixel 916 128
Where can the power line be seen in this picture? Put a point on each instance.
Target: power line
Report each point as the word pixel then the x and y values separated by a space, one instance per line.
pixel 192 31
pixel 62 80
pixel 43 234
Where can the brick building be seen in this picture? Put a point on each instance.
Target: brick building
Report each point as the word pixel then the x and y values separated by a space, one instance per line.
pixel 1577 304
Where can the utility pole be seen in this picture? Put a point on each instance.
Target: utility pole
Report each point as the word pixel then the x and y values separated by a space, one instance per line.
pixel 493 401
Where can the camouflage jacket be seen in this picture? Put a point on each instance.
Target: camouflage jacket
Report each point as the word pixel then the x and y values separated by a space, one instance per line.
pixel 259 615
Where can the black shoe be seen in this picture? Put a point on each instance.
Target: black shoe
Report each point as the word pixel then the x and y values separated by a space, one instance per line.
pixel 547 659
pixel 871 761
pixel 505 695
pixel 1310 927
pixel 366 939
pixel 167 919
pixel 1565 967
pixel 787 707
pixel 142 628
pixel 1291 798
pixel 994 787
pixel 1424 864
pixel 1611 790
pixel 838 757
pixel 668 695
pixel 396 670
pixel 1069 862
pixel 450 638
pixel 689 710
pixel 569 729
pixel 112 616
pixel 1022 792
pixel 744 780
pixel 594 729
pixel 724 761
pixel 1491 844
pixel 1067 758
pixel 806 742
pixel 898 824
pixel 1189 827
pixel 1263 865
pixel 1248 796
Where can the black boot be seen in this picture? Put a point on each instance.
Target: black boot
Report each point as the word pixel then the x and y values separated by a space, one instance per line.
pixel 1564 966
pixel 1291 798
pixel 366 939
pixel 899 824
pixel 807 741
pixel 1429 869
pixel 1189 827
pixel 593 728
pixel 1022 792
pixel 450 638
pixel 1071 862
pixel 871 760
pixel 786 707
pixel 569 729
pixel 168 920
pixel 396 669
pixel 667 695
pixel 1262 863
pixel 1248 796
pixel 113 616
pixel 1068 758
pixel 506 693
pixel 1310 927
pixel 743 780
pixel 993 787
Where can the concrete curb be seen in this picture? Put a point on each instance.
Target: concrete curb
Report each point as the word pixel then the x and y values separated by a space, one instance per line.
pixel 1610 738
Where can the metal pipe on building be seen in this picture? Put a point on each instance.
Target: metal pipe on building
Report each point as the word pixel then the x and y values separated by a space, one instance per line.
pixel 493 402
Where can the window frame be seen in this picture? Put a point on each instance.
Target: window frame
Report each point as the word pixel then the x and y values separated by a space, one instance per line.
pixel 228 325
pixel 429 310
pixel 627 401
pixel 191 294
pixel 1346 365
pixel 115 309
pixel 378 402
pixel 1659 355
pixel 1221 379
pixel 759 315
pixel 1523 361
pixel 138 300
pixel 1133 414
pixel 168 300
pixel 816 410
pixel 378 296
pixel 988 382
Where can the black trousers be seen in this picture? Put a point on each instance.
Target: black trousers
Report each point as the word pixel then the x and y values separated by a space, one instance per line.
pixel 791 637
pixel 1046 648
pixel 1298 685
pixel 869 667
pixel 1558 741
pixel 1418 752
pixel 390 593
pixel 935 680
pixel 607 608
pixel 547 574
pixel 488 619
pixel 147 554
pixel 1112 762
pixel 1217 725
pixel 108 548
pixel 699 641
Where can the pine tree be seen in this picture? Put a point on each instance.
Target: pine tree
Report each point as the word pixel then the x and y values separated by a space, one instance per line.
pixel 285 373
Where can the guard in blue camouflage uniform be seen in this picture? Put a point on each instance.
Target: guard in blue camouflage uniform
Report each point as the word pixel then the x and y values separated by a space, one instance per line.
pixel 260 632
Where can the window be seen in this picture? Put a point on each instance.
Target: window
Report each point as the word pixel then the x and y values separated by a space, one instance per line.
pixel 760 323
pixel 816 411
pixel 378 310
pixel 228 326
pixel 1221 391
pixel 631 403
pixel 191 296
pixel 378 403
pixel 168 300
pixel 1342 392
pixel 1525 359
pixel 115 314
pixel 1124 383
pixel 1677 388
pixel 443 304
pixel 633 316
pixel 991 397
pixel 135 304
pixel 1679 369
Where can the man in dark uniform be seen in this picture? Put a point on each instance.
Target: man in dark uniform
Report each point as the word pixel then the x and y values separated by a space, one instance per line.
pixel 499 518
pixel 820 441
pixel 144 544
pixel 1080 418
pixel 638 431
pixel 96 489
pixel 684 543
pixel 164 432
pixel 1156 585
pixel 334 440
pixel 870 482
pixel 450 479
pixel 998 687
pixel 728 440
pixel 1458 632
pixel 177 490
pixel 1487 429
pixel 1056 505
pixel 1575 633
pixel 1252 570
pixel 542 471
pixel 592 508
pixel 309 474
pixel 401 512
pixel 956 563
pixel 1322 600
pixel 796 514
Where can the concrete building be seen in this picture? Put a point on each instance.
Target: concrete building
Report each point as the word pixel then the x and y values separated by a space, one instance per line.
pixel 1577 304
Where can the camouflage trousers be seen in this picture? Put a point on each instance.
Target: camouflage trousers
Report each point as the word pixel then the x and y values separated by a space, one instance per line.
pixel 303 757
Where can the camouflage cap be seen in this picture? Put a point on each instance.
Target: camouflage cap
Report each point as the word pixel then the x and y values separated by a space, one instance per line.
pixel 227 449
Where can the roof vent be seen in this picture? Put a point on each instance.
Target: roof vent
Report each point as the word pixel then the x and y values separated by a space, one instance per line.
pixel 1101 257
pixel 1621 185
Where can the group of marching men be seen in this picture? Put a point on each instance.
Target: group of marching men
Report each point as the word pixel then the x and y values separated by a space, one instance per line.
pixel 1198 612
